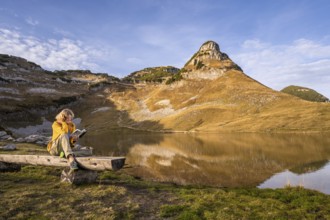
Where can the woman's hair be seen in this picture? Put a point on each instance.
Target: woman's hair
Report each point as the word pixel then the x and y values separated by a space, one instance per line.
pixel 64 114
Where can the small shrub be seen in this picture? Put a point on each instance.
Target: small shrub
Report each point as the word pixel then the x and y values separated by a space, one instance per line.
pixel 175 77
pixel 199 65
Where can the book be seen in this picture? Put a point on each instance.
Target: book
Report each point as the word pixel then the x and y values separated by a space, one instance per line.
pixel 79 133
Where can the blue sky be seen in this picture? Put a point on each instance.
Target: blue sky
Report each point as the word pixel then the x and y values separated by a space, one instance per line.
pixel 277 42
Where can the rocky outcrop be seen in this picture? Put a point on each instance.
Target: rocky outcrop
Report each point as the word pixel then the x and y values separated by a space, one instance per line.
pixel 210 51
pixel 17 63
pixel 27 90
pixel 208 63
pixel 152 75
pixel 34 138
pixel 8 147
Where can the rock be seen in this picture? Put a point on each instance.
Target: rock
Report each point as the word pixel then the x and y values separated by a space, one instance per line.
pixel 5 137
pixel 208 63
pixel 36 138
pixel 20 140
pixel 32 138
pixel 41 143
pixel 2 133
pixel 8 147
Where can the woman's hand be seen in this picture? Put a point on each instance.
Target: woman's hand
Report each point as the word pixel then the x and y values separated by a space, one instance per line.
pixel 74 138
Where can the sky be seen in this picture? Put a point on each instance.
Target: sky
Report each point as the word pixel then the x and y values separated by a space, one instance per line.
pixel 277 42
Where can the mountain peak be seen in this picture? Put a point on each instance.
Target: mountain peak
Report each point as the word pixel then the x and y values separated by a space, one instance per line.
pixel 211 50
pixel 209 57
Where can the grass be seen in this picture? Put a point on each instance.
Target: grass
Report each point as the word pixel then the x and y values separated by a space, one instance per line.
pixel 174 78
pixel 152 74
pixel 35 192
pixel 212 203
pixel 24 148
pixel 305 93
pixel 233 102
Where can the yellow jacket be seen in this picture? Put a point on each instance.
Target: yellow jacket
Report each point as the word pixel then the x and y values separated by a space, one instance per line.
pixel 62 128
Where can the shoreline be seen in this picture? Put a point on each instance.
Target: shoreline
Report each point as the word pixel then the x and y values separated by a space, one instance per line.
pixel 36 192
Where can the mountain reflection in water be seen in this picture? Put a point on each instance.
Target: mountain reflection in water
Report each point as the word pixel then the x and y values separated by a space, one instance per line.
pixel 318 180
pixel 227 160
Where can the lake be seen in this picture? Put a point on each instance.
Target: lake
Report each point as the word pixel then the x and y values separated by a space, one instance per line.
pixel 221 160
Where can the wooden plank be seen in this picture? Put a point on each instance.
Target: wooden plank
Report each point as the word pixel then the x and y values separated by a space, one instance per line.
pixel 90 163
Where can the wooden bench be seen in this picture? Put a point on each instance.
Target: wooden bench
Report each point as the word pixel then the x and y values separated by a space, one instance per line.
pixel 86 174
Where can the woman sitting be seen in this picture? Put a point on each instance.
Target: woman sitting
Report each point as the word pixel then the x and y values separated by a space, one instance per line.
pixel 62 141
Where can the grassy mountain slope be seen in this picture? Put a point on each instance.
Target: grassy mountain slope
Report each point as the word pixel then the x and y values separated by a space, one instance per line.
pixel 233 102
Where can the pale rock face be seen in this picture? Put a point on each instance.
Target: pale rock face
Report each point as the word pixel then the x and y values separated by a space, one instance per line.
pixel 210 50
pixel 208 63
pixel 210 74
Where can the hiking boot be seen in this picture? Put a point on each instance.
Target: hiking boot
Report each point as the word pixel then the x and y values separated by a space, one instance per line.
pixel 74 165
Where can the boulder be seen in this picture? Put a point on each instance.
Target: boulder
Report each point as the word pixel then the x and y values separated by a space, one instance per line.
pixel 2 133
pixel 6 137
pixel 8 147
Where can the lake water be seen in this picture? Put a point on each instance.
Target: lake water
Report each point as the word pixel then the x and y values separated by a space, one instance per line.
pixel 223 160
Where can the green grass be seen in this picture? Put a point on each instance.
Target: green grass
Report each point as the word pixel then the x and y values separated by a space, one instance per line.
pixel 305 93
pixel 155 74
pixel 289 203
pixel 36 192
pixel 24 148
pixel 174 78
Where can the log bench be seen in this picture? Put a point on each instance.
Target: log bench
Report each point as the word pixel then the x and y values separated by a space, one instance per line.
pixel 87 165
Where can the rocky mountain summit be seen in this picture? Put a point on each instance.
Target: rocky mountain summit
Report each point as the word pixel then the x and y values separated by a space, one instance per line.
pixel 208 63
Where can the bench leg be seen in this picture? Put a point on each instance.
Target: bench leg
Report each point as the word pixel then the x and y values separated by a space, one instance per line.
pixel 9 167
pixel 78 176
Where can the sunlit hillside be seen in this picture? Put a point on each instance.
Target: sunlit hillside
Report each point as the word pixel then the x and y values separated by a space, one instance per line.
pixel 215 95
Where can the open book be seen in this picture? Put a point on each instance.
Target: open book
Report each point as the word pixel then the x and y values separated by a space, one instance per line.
pixel 79 133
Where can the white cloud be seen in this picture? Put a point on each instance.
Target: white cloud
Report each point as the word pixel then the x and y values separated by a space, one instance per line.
pixel 303 62
pixel 51 54
pixel 31 21
pixel 63 32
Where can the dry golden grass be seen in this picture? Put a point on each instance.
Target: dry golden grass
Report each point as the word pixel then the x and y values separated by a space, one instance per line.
pixel 233 102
